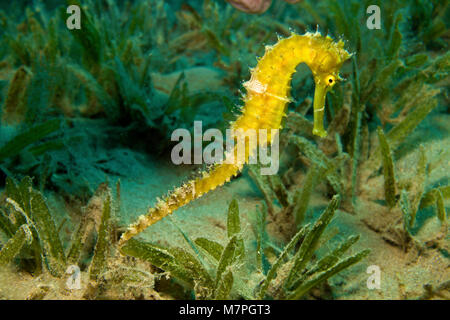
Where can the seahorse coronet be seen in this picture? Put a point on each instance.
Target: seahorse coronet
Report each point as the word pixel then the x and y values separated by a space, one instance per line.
pixel 264 108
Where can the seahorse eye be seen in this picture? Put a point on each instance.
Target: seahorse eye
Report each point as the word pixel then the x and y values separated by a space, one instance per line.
pixel 330 80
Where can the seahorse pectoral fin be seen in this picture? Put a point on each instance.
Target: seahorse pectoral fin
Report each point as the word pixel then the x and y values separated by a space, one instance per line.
pixel 319 108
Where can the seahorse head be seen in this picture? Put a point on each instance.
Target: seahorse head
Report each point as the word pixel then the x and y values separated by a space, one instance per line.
pixel 328 59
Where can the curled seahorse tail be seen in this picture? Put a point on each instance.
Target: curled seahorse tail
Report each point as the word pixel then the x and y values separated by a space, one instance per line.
pixel 209 180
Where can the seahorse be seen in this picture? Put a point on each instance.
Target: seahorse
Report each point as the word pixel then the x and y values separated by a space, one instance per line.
pixel 268 92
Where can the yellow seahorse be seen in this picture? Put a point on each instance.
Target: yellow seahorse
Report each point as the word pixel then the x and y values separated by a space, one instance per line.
pixel 265 103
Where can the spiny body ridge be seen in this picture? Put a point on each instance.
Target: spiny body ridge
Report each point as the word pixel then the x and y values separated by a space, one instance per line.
pixel 268 93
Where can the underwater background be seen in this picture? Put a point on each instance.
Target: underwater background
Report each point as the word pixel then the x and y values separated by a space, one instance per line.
pixel 85 142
